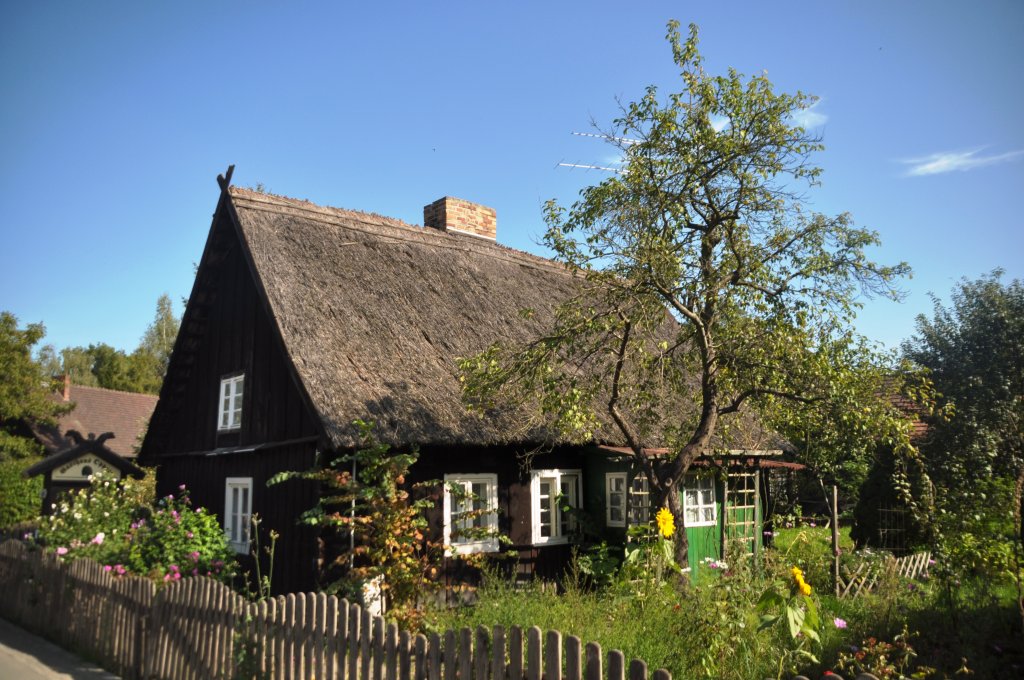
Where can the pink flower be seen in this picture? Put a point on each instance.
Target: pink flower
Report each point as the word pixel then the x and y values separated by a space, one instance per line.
pixel 107 567
pixel 812 524
pixel 98 538
pixel 188 534
pixel 181 487
pixel 839 623
pixel 195 556
pixel 62 550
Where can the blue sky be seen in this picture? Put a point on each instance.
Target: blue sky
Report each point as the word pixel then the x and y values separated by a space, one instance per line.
pixel 115 118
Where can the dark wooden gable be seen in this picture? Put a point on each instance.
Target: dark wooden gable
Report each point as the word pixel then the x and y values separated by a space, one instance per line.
pixel 226 330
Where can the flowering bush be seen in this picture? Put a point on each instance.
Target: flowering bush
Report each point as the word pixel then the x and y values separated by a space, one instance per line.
pixel 119 526
pixel 171 539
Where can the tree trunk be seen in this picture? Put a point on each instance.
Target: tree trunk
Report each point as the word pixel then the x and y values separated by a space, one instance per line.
pixel 682 544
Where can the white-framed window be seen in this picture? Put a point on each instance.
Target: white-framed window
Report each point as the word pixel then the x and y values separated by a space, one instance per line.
pixel 639 501
pixel 238 512
pixel 550 490
pixel 615 490
pixel 229 411
pixel 471 513
pixel 699 506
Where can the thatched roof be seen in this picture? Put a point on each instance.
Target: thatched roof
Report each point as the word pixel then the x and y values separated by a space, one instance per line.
pixel 374 312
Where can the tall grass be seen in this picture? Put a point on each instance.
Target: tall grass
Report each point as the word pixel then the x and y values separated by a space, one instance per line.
pixel 709 629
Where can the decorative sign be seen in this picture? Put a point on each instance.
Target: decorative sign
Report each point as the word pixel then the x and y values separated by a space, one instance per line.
pixel 79 469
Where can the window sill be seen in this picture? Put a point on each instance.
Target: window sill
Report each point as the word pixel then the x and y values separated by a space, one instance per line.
pixel 557 540
pixel 472 548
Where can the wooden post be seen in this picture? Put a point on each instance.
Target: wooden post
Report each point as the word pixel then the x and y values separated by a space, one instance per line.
pixel 725 513
pixel 835 537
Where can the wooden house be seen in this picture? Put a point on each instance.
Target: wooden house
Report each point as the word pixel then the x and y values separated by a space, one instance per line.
pixel 304 318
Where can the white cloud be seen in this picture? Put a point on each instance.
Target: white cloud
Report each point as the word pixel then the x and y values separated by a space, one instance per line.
pixel 938 163
pixel 810 118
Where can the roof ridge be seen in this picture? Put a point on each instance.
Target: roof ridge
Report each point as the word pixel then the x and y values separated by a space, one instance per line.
pixel 466 243
pixel 75 385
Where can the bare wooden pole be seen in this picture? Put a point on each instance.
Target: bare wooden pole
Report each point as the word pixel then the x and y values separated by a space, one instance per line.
pixel 835 537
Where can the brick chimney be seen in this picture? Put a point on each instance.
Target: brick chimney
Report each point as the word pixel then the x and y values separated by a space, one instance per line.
pixel 67 387
pixel 456 214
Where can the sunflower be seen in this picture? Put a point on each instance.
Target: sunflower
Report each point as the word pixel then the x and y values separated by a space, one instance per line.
pixel 666 523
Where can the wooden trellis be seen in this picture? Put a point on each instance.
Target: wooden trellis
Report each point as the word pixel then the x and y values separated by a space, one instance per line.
pixel 741 512
pixel 868 575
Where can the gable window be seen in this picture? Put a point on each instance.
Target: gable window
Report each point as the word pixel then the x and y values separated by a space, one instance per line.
pixel 551 491
pixel 699 507
pixel 639 501
pixel 615 499
pixel 471 513
pixel 229 415
pixel 238 512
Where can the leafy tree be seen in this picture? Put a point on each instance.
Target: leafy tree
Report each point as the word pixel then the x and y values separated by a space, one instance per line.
pixel 78 363
pixel 158 340
pixel 112 367
pixel 844 436
pixel 24 397
pixel 974 352
pixel 101 365
pixel 707 280
pixel 24 389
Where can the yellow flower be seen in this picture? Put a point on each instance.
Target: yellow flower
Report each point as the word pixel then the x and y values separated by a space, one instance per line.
pixel 802 585
pixel 666 523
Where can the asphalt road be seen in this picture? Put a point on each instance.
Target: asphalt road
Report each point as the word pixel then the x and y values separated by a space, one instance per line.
pixel 24 656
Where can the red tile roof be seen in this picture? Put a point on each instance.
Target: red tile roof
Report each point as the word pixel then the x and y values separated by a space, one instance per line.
pixel 96 411
pixel 918 428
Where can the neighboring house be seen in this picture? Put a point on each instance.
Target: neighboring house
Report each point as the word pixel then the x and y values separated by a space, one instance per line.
pixel 101 431
pixel 74 467
pixel 97 411
pixel 304 318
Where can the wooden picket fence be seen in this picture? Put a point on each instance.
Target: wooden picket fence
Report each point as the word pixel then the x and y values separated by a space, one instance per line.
pixel 868 575
pixel 198 628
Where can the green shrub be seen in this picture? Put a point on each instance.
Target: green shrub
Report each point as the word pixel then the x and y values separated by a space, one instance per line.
pixel 19 497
